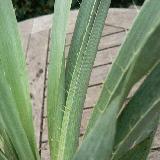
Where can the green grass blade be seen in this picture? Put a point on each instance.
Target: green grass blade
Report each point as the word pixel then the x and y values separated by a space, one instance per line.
pixel 13 63
pixel 99 142
pixel 5 143
pixel 12 122
pixel 140 151
pixel 81 57
pixel 141 114
pixel 142 42
pixel 56 75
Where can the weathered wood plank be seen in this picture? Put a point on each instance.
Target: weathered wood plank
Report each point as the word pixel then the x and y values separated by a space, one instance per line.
pixel 92 96
pixel 25 31
pixel 156 143
pixel 26 27
pixel 85 119
pixel 111 40
pixel 45 146
pixel 106 56
pixel 121 17
pixel 45 22
pixel 154 155
pixel 36 60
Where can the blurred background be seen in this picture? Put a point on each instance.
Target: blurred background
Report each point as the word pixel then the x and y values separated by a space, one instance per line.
pixel 31 8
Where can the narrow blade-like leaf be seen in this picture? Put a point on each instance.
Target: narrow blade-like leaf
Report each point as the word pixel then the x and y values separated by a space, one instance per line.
pixel 12 122
pixel 140 151
pixel 99 142
pixel 13 63
pixel 56 75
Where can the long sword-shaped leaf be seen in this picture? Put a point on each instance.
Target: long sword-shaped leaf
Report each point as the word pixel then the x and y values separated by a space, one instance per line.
pixel 56 77
pixel 140 151
pixel 13 62
pixel 141 114
pixel 103 138
pixel 5 143
pixel 142 42
pixel 12 122
pixel 91 12
pixel 82 53
pixel 99 142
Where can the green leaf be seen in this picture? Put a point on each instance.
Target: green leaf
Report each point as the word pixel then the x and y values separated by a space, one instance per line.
pixel 89 25
pixel 12 122
pixel 2 156
pixel 141 114
pixel 81 57
pixel 99 142
pixel 141 48
pixel 12 62
pixel 5 143
pixel 140 151
pixel 102 151
pixel 56 75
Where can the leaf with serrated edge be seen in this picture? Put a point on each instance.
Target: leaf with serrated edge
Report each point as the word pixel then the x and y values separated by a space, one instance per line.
pixel 56 75
pixel 82 53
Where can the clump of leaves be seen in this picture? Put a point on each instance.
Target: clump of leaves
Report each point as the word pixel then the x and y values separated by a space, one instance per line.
pixel 115 131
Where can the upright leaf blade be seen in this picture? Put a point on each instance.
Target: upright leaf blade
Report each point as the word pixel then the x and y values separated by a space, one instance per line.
pixel 87 27
pixel 12 122
pixel 12 61
pixel 140 151
pixel 99 142
pixel 56 75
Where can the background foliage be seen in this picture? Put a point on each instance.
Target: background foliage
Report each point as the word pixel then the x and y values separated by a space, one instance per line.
pixel 31 8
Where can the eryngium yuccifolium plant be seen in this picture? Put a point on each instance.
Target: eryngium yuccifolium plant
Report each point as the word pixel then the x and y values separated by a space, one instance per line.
pixel 116 130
